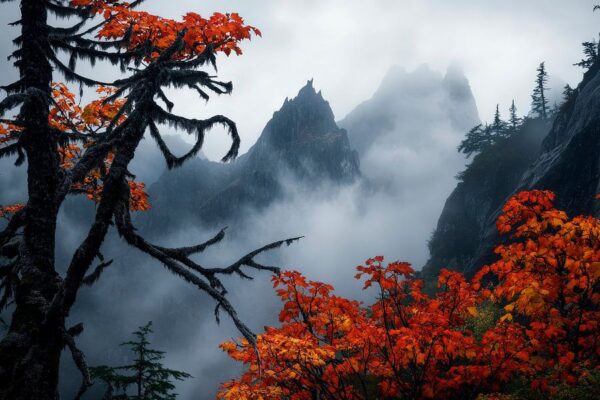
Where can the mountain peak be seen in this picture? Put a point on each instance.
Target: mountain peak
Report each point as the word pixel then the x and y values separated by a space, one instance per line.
pixel 306 115
pixel 308 92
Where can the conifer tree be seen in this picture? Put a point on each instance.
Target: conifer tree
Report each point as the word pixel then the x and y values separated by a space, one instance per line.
pixel 514 121
pixel 498 125
pixel 539 101
pixel 145 378
pixel 568 93
pixel 591 52
pixel 477 139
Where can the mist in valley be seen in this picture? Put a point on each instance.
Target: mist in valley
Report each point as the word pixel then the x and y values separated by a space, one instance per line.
pixel 399 115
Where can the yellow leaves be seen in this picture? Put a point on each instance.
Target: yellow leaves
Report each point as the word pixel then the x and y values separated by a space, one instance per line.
pixel 228 346
pixel 506 317
pixel 346 324
pixel 470 353
pixel 509 307
pixel 88 116
pixel 472 311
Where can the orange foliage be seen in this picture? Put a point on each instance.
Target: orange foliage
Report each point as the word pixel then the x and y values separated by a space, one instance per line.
pixel 5 211
pixel 409 344
pixel 222 31
pixel 67 115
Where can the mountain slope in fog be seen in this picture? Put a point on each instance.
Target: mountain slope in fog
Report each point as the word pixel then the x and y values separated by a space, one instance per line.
pixel 407 133
pixel 482 188
pixel 566 162
pixel 412 107
pixel 301 142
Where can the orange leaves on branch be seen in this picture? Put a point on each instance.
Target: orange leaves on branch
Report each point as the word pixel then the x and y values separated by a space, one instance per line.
pixel 536 319
pixel 66 114
pixel 138 198
pixel 223 32
pixel 6 211
pixel 8 133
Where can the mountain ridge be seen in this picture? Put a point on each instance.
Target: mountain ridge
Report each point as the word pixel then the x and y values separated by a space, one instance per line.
pixel 300 142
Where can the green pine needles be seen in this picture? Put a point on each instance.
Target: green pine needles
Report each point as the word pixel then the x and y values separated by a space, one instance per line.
pixel 145 378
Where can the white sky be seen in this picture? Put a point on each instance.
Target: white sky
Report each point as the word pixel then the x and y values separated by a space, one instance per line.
pixel 348 45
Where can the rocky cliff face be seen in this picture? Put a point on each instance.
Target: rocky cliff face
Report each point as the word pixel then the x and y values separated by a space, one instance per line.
pixel 566 161
pixel 301 143
pixel 482 188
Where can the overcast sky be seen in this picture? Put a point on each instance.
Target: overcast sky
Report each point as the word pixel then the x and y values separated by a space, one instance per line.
pixel 348 45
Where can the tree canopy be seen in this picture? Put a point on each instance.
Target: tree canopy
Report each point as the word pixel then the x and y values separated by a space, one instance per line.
pixel 528 322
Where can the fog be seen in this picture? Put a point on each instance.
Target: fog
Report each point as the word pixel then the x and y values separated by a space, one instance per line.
pixel 417 66
pixel 408 169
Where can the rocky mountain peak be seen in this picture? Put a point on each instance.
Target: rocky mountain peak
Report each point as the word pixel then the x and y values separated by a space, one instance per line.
pixel 301 142
pixel 305 116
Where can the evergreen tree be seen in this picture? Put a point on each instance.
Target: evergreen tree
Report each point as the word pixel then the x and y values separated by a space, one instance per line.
pixel 568 93
pixel 477 139
pixel 146 376
pixel 514 121
pixel 591 52
pixel 499 127
pixel 539 102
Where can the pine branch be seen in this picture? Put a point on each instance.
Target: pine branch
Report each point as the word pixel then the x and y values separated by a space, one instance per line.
pixel 67 11
pixel 56 32
pixel 177 261
pixel 248 259
pixel 17 86
pixel 72 76
pixel 199 248
pixel 171 160
pixel 92 278
pixel 9 150
pixel 183 78
pixel 206 57
pixel 200 126
pixel 92 55
pixel 11 101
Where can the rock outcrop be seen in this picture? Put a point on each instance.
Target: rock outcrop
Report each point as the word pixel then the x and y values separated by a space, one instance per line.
pixel 561 155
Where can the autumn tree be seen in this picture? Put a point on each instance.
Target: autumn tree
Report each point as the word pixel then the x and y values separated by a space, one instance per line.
pixel 539 100
pixel 72 150
pixel 145 378
pixel 530 318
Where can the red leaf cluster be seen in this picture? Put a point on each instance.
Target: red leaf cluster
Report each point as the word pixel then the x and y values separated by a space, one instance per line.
pixel 223 32
pixel 533 315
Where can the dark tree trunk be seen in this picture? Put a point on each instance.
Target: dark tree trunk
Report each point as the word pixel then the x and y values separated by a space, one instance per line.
pixel 30 353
